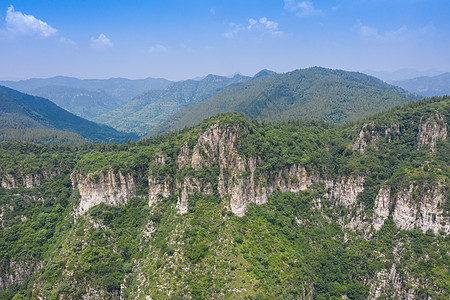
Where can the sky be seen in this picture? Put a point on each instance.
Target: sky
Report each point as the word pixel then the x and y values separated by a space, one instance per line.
pixel 185 39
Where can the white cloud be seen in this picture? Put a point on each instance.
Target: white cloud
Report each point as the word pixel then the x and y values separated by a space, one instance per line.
pixel 371 33
pixel 20 23
pixel 66 41
pixel 301 8
pixel 263 25
pixel 158 49
pixel 101 42
pixel 235 29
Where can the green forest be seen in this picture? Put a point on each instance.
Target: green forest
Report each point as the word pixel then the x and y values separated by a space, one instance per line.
pixel 300 243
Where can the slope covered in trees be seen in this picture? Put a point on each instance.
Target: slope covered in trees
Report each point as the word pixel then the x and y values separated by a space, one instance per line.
pixel 151 108
pixel 86 98
pixel 333 96
pixel 353 211
pixel 427 86
pixel 81 102
pixel 22 111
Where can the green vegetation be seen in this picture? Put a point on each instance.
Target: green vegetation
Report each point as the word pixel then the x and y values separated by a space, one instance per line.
pixel 150 109
pixel 81 102
pixel 427 86
pixel 316 93
pixel 21 111
pixel 295 245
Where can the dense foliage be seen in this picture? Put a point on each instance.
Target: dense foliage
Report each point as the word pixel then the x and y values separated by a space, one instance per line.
pixel 150 109
pixel 295 245
pixel 22 111
pixel 333 96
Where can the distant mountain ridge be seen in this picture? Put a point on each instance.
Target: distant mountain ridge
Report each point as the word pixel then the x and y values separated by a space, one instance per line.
pixel 150 109
pixel 427 86
pixel 87 97
pixel 316 93
pixel 19 111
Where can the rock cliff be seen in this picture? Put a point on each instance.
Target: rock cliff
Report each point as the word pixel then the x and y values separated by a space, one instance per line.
pixel 103 187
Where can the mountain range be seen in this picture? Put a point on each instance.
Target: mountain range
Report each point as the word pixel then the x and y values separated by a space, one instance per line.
pixel 234 208
pixel 316 93
pixel 427 86
pixel 86 97
pixel 148 110
pixel 20 113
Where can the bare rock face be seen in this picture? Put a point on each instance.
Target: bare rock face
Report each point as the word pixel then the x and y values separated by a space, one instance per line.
pixel 19 271
pixel 345 190
pixel 366 137
pixel 381 207
pixel 102 187
pixel 431 131
pixel 391 280
pixel 420 207
pixel 10 181
pixel 157 190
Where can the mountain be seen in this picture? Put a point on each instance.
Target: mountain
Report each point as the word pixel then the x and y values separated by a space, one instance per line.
pixel 81 102
pixel 427 86
pixel 333 96
pixel 400 75
pixel 151 108
pixel 86 98
pixel 120 88
pixel 20 111
pixel 235 209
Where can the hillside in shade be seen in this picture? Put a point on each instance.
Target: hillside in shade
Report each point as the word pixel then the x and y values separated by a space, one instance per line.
pixel 86 98
pixel 20 111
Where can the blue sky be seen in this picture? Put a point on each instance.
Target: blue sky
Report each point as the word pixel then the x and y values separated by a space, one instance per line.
pixel 184 39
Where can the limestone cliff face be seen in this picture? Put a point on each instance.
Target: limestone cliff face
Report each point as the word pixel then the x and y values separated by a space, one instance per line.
pixel 419 207
pixel 239 180
pixel 102 187
pixel 10 181
pixel 431 131
pixel 237 175
pixel 18 272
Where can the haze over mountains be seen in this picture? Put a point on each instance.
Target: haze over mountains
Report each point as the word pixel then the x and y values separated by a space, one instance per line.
pixel 150 109
pixel 20 112
pixel 427 86
pixel 86 97
pixel 152 106
pixel 316 93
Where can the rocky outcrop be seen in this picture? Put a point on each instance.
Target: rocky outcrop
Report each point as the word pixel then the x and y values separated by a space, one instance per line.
pixel 17 272
pixel 417 206
pixel 10 181
pixel 366 137
pixel 381 207
pixel 390 283
pixel 431 131
pixel 103 187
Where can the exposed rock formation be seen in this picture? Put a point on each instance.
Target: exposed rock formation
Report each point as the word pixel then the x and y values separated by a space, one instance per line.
pixel 10 181
pixel 103 187
pixel 431 131
pixel 18 272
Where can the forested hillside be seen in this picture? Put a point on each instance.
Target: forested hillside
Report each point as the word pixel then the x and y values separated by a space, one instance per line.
pixel 427 86
pixel 19 113
pixel 86 98
pixel 235 208
pixel 150 109
pixel 333 96
pixel 81 102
